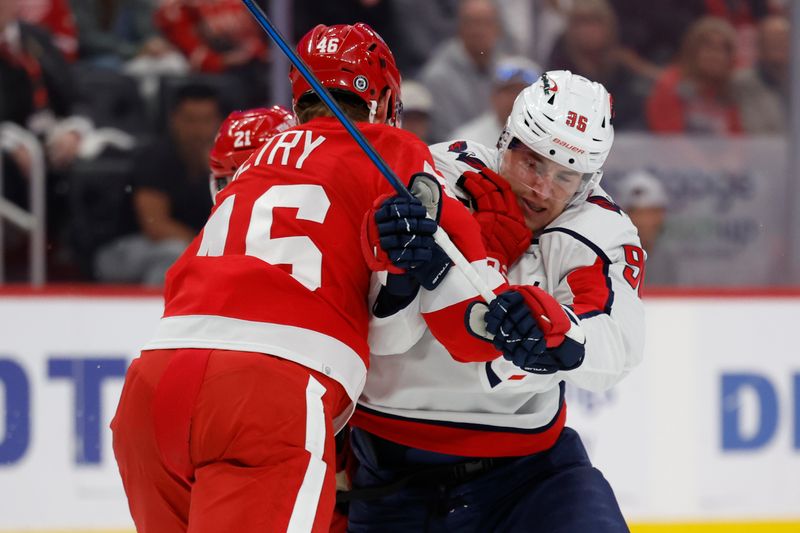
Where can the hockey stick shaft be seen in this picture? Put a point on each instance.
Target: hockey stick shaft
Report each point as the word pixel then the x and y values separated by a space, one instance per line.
pixel 441 238
pixel 325 96
pixel 463 265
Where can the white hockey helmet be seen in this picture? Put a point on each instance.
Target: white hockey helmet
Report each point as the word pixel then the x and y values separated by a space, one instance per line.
pixel 567 119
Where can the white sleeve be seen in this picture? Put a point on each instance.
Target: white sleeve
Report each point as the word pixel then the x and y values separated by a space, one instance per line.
pixel 590 277
pixel 397 333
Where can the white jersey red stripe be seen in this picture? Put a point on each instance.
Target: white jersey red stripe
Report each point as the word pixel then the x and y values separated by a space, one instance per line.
pixel 423 397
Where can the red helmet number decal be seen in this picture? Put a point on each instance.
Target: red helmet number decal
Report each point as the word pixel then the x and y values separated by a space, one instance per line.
pixel 577 121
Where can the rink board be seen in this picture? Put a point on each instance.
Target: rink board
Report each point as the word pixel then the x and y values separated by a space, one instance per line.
pixel 704 436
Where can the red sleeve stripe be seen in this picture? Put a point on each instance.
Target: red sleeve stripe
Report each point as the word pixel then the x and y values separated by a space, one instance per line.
pixel 460 342
pixel 590 285
pixel 591 289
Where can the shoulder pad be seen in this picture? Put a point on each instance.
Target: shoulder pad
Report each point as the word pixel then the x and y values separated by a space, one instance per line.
pixel 453 158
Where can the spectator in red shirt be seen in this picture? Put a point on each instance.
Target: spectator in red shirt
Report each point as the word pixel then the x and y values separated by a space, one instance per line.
pixel 55 15
pixel 36 94
pixel 218 36
pixel 695 94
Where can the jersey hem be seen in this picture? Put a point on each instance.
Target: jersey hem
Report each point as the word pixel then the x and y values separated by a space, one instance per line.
pixel 463 438
pixel 330 356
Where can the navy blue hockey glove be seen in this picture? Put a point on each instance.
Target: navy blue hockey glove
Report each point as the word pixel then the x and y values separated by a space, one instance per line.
pixel 531 329
pixel 398 235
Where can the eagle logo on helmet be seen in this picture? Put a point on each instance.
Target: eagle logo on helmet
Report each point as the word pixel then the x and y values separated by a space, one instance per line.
pixel 361 83
pixel 550 86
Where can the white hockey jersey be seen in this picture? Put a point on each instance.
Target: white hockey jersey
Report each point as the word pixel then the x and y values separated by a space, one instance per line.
pixel 590 259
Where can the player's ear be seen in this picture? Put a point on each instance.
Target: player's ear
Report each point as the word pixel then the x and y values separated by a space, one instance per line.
pixel 382 112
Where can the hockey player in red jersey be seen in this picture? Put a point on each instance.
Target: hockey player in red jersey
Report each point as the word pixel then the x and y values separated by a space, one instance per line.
pixel 241 134
pixel 452 446
pixel 226 420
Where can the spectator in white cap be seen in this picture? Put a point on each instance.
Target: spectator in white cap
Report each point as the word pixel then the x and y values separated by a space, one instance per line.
pixel 642 196
pixel 417 104
pixel 509 77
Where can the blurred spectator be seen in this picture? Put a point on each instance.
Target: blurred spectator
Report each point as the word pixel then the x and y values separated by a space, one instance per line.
pixel 695 95
pixel 511 75
pixel 531 29
pixel 37 86
pixel 218 36
pixel 417 104
pixel 590 47
pixel 36 93
pixel 459 74
pixel 763 91
pixel 56 16
pixel 743 15
pixel 651 32
pixel 420 27
pixel 111 32
pixel 642 197
pixel 171 197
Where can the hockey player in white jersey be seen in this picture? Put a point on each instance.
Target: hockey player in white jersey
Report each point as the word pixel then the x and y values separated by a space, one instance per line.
pixel 451 446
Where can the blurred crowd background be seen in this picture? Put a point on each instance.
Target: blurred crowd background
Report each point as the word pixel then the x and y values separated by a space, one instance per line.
pixel 112 106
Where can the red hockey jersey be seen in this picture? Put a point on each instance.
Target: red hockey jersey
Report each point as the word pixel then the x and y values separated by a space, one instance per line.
pixel 278 267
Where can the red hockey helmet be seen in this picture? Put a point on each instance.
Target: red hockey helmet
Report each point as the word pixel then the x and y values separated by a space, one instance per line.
pixel 349 58
pixel 240 134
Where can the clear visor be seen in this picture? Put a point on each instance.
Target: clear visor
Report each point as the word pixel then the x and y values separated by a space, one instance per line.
pixel 531 173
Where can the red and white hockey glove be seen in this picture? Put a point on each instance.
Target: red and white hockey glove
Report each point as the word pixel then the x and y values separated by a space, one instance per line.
pixel 531 329
pixel 503 228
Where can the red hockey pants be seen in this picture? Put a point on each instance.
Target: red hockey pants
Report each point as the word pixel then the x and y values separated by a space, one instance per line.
pixel 222 441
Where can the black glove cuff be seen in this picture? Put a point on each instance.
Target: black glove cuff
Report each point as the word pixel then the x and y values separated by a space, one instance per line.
pixel 431 274
pixel 399 291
